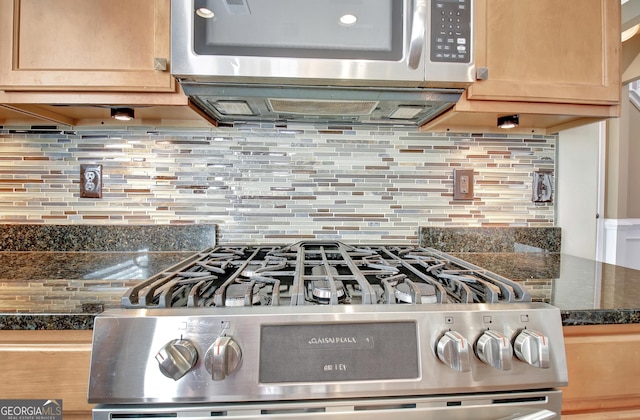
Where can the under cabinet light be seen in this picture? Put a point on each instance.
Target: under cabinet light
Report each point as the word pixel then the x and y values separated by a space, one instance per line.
pixel 509 121
pixel 122 114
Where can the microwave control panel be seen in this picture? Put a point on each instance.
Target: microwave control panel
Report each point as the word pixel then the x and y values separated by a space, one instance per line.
pixel 451 31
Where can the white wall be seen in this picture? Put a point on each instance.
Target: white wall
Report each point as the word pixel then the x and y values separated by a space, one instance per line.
pixel 622 224
pixel 622 242
pixel 578 185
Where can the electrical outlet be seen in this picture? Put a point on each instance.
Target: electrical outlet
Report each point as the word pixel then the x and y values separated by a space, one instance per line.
pixel 463 184
pixel 91 181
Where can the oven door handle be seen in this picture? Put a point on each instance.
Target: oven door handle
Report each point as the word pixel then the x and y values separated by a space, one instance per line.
pixel 538 415
pixel 416 43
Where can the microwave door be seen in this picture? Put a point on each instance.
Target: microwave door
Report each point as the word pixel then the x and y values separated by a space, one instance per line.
pixel 302 40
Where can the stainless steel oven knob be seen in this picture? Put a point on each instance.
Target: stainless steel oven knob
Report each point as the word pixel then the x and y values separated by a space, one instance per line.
pixel 222 358
pixel 495 350
pixel 176 358
pixel 533 348
pixel 453 351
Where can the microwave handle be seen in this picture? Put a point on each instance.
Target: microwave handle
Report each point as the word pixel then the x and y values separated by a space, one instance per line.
pixel 416 43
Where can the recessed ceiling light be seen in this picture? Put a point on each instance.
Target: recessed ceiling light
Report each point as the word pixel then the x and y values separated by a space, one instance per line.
pixel 348 19
pixel 203 12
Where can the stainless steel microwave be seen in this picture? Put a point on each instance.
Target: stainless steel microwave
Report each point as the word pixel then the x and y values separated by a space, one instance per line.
pixel 400 62
pixel 343 42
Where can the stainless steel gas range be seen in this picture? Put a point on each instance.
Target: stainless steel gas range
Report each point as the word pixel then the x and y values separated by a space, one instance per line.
pixel 325 329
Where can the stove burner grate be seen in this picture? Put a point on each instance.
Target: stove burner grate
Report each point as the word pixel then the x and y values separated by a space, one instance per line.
pixel 321 273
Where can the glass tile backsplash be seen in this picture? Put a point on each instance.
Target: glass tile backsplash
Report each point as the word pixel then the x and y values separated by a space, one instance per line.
pixel 271 184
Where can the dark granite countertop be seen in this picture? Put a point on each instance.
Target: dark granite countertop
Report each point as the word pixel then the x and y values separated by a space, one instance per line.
pixel 587 292
pixel 60 276
pixel 65 290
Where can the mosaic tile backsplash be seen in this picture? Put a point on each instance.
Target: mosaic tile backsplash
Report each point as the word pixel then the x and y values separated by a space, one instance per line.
pixel 274 184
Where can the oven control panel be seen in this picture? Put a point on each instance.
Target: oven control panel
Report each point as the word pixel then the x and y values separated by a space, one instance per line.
pixel 286 353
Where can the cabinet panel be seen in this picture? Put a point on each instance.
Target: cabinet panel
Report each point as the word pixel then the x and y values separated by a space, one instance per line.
pixel 548 51
pixel 603 369
pixel 109 45
pixel 469 116
pixel 47 365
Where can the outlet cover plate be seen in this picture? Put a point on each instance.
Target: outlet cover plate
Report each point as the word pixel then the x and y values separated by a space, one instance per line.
pixel 463 184
pixel 90 181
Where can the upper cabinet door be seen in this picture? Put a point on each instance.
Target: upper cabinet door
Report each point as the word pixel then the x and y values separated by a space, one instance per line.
pixel 96 45
pixel 548 51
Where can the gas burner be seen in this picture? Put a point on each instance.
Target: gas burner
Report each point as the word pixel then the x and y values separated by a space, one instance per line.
pixel 326 290
pixel 238 295
pixel 321 291
pixel 416 293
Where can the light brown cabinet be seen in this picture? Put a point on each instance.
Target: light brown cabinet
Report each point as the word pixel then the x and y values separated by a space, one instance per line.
pixel 557 64
pixel 548 51
pixel 67 62
pixel 47 365
pixel 603 363
pixel 85 45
